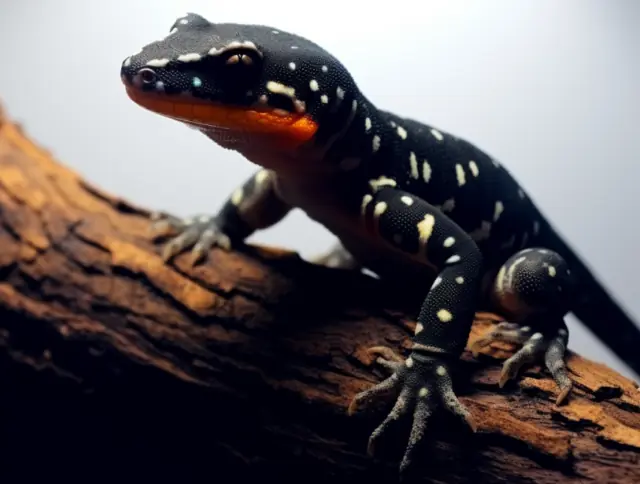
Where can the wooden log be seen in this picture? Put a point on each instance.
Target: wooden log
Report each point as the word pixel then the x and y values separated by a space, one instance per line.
pixel 115 365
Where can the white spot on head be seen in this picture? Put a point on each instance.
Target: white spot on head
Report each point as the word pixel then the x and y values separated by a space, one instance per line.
pixel 279 88
pixel 460 174
pixel 294 47
pixel 158 62
pixel 127 62
pixel 324 99
pixel 275 32
pixel 196 82
pixel 437 282
pixel 441 371
pixel 536 227
pixel 437 134
pixel 325 69
pixel 407 200
pixel 213 51
pixel 552 271
pixel 189 57
pixel 184 21
pixel 449 241
pixel 292 66
pixel 460 280
pixel 376 143
pixel 367 124
pixel 340 92
pixel 313 84
pixel 426 171
pixel 160 85
pixel 444 315
pixel 453 259
pixel 419 328
pixel 402 132
pixel 475 171
pixel 497 211
pixel 413 164
pixel 423 392
pixel 409 362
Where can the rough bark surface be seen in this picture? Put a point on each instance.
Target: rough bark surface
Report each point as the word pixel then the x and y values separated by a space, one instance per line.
pixel 116 365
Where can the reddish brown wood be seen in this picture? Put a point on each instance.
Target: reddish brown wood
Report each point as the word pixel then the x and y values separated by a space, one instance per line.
pixel 113 363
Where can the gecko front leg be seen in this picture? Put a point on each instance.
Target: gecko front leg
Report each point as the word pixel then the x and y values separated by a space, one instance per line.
pixel 423 381
pixel 252 206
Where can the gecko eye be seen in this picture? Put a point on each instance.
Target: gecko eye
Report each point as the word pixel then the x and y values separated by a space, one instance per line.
pixel 147 76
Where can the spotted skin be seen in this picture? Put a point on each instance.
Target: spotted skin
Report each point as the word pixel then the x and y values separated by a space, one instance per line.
pixel 411 202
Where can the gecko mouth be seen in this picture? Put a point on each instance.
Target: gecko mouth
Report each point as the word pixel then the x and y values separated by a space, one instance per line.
pixel 292 128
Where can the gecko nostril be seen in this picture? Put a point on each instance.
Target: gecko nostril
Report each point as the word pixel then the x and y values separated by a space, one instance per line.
pixel 147 76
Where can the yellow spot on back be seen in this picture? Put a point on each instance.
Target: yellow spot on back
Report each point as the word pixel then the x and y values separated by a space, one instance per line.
pixel 402 132
pixel 375 143
pixel 381 182
pixel 498 210
pixel 425 229
pixel 367 124
pixel 459 279
pixel 460 174
pixel 423 392
pixel 324 99
pixel 406 200
pixel 474 168
pixel 552 271
pixel 437 134
pixel 313 84
pixel 426 171
pixel 444 315
pixel 413 162
pixel 441 371
pixel 236 196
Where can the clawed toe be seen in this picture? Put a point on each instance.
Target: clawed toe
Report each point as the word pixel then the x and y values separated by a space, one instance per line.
pixel 534 347
pixel 421 384
pixel 200 233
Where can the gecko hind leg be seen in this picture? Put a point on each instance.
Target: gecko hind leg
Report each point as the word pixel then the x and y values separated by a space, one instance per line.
pixel 535 287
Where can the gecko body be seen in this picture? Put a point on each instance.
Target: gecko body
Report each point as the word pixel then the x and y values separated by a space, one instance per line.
pixel 409 201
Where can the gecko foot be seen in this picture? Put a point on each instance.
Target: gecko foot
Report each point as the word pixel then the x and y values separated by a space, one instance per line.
pixel 535 346
pixel 421 383
pixel 200 233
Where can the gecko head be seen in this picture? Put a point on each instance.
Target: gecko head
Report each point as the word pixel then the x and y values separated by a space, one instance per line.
pixel 235 82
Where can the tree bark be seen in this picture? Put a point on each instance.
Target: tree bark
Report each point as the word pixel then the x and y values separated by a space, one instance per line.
pixel 114 364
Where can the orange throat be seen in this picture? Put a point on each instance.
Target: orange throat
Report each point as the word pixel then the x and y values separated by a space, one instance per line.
pixel 283 128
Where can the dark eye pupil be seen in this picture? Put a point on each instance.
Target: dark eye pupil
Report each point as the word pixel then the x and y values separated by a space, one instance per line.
pixel 147 75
